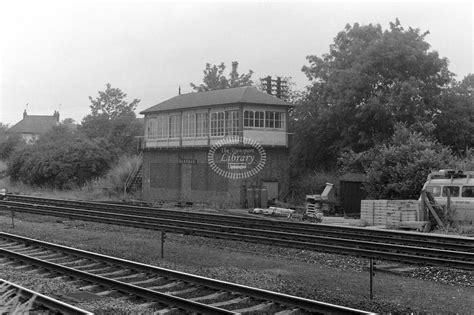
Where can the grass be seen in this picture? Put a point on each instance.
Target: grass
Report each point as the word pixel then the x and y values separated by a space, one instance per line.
pixel 330 278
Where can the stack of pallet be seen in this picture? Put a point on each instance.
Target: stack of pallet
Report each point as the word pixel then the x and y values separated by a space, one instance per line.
pixel 389 213
pixel 374 212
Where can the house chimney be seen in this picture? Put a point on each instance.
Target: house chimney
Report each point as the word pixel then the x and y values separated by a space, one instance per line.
pixel 56 114
pixel 24 114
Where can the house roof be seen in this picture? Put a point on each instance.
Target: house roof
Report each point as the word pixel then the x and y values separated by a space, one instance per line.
pixel 244 94
pixel 36 124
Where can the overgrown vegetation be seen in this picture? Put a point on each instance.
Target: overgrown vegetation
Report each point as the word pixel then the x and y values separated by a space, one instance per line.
pixel 67 158
pixel 370 80
pixel 370 83
pixel 9 145
pixel 398 169
pixel 112 183
pixel 60 159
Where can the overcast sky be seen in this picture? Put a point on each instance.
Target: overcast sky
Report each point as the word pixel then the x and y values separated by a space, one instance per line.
pixel 55 54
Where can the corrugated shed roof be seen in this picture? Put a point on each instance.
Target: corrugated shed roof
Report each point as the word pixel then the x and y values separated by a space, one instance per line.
pixel 245 94
pixel 34 124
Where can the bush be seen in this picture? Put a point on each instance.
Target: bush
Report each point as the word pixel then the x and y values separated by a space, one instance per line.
pixel 60 159
pixel 9 145
pixel 399 169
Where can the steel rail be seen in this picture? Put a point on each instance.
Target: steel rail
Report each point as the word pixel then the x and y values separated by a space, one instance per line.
pixel 120 286
pixel 43 300
pixel 384 236
pixel 166 223
pixel 293 301
pixel 185 223
pixel 409 254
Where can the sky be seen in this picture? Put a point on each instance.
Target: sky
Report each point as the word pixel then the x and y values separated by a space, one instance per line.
pixel 55 54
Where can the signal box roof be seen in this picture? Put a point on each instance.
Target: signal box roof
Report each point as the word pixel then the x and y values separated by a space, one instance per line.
pixel 247 94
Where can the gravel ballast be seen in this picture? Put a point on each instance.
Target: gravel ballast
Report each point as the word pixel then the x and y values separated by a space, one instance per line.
pixel 329 278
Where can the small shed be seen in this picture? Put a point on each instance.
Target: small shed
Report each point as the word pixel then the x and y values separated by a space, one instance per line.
pixel 352 193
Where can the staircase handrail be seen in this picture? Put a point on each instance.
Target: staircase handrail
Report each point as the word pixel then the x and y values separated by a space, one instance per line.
pixel 133 173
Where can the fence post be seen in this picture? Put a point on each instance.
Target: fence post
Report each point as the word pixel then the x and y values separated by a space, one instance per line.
pixel 13 219
pixel 372 274
pixel 163 236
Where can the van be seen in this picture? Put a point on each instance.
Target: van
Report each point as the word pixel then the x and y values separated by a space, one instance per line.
pixel 460 187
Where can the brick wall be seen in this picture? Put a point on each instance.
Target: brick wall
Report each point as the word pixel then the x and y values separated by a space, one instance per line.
pixel 184 174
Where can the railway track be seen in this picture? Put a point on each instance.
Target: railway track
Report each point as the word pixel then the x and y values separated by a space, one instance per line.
pixel 166 291
pixel 383 236
pixel 40 304
pixel 457 252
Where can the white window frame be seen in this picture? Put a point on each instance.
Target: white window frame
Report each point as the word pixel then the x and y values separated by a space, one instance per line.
pixel 217 125
pixel 151 127
pixel 174 126
pixel 202 124
pixel 249 118
pixel 264 119
pixel 232 123
pixel 188 125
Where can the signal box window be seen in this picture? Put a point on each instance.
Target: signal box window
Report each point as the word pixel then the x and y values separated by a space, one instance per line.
pixel 231 123
pixel 175 124
pixel 260 119
pixel 434 190
pixel 453 191
pixel 188 125
pixel 468 191
pixel 274 120
pixel 248 118
pixel 156 128
pixel 152 126
pixel 201 125
pixel 279 120
pixel 270 119
pixel 217 124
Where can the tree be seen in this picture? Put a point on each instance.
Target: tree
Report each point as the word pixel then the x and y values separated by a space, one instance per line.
pixel 111 103
pixel 214 78
pixel 368 81
pixel 113 120
pixel 399 168
pixel 455 119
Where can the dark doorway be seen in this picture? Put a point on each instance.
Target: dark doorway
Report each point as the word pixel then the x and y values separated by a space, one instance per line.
pixel 351 196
